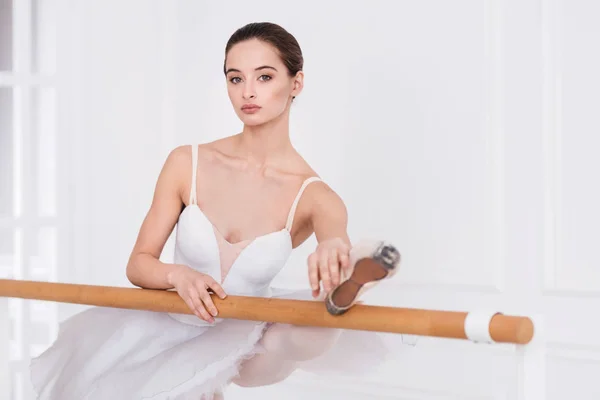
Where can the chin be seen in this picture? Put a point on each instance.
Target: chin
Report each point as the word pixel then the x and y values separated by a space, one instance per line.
pixel 251 120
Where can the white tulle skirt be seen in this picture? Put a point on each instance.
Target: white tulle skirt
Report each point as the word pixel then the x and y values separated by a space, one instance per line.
pixel 107 353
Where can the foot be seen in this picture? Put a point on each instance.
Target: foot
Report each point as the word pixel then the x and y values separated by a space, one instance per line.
pixel 371 262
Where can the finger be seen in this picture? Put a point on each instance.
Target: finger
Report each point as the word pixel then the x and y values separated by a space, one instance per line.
pixel 313 273
pixel 344 260
pixel 205 315
pixel 346 247
pixel 317 291
pixel 207 300
pixel 344 255
pixel 194 298
pixel 324 271
pixel 218 289
pixel 334 267
pixel 192 307
pixel 198 306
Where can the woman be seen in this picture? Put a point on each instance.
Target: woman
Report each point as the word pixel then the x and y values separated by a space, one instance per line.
pixel 240 205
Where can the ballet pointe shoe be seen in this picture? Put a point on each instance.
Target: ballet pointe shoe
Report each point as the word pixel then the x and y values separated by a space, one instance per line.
pixel 370 263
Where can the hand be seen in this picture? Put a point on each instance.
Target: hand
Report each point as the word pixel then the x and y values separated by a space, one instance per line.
pixel 325 263
pixel 192 286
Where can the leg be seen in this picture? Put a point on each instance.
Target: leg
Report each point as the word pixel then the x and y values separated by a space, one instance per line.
pixel 286 346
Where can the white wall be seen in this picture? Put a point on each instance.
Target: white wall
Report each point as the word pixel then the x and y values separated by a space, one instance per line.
pixel 463 131
pixel 118 139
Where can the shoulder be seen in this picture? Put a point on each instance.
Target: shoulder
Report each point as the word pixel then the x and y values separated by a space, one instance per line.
pixel 319 197
pixel 182 155
pixel 215 151
pixel 184 151
pixel 324 200
pixel 180 152
pixel 179 158
pixel 177 169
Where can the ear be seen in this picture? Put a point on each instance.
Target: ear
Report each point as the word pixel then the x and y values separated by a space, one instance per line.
pixel 298 84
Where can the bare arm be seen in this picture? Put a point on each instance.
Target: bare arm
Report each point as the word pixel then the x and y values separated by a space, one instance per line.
pixel 144 268
pixel 329 219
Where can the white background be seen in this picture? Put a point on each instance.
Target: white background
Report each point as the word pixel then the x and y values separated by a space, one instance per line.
pixel 463 131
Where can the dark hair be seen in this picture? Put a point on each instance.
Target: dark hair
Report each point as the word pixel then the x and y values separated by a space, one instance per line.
pixel 286 44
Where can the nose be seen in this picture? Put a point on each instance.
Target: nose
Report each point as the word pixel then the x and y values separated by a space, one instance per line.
pixel 249 91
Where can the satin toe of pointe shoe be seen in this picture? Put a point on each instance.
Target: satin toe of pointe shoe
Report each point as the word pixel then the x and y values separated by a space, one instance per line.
pixel 371 262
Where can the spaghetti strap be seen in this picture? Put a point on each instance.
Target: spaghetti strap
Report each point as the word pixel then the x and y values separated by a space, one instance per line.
pixel 194 169
pixel 290 218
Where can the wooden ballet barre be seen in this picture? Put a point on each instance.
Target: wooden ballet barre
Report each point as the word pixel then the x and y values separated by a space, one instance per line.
pixel 447 324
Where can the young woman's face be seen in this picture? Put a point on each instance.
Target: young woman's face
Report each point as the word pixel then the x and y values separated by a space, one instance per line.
pixel 258 83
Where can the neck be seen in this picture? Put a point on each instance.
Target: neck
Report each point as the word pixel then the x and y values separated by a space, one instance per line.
pixel 264 144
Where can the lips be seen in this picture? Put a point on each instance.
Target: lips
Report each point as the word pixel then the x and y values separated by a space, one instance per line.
pixel 250 108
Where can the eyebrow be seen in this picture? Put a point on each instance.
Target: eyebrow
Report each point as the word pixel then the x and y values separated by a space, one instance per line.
pixel 256 69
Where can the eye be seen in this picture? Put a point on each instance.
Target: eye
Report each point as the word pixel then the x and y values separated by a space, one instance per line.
pixel 266 77
pixel 233 80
